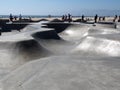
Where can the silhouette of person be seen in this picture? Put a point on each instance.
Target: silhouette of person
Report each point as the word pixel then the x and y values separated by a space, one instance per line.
pixel 63 18
pixel 11 17
pixel 100 18
pixel 104 18
pixel 20 17
pixel 115 18
pixel 83 17
pixel 95 18
pixel 119 19
pixel 69 18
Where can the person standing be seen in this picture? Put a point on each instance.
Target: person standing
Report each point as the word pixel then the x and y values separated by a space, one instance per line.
pixel 115 18
pixel 83 18
pixel 20 17
pixel 69 17
pixel 11 17
pixel 95 18
pixel 119 19
pixel 63 18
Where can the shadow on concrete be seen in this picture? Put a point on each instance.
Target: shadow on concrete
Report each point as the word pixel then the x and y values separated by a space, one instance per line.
pixel 52 34
pixel 57 26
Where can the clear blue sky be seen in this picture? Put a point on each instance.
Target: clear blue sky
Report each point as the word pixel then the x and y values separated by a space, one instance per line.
pixel 59 7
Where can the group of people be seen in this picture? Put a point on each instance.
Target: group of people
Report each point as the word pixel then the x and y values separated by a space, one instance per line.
pixel 67 18
pixel 116 18
pixel 102 18
pixel 11 17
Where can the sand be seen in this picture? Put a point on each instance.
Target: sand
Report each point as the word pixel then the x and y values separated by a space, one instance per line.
pixel 61 56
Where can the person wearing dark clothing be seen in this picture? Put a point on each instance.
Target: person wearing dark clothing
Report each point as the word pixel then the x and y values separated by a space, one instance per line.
pixel 115 18
pixel 100 18
pixel 69 17
pixel 119 19
pixel 83 18
pixel 104 18
pixel 20 17
pixel 11 17
pixel 63 18
pixel 95 18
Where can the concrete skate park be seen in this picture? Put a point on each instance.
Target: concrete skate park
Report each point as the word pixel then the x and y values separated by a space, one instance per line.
pixel 61 56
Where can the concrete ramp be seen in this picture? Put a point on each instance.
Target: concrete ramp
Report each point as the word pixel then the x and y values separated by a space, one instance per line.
pixel 20 52
pixel 75 32
pixel 95 31
pixel 101 45
pixel 30 49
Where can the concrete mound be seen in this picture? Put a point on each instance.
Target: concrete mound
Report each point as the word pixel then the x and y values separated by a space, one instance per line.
pixel 17 53
pixel 30 50
pixel 75 32
pixel 99 45
pixel 52 42
pixel 76 28
pixel 94 31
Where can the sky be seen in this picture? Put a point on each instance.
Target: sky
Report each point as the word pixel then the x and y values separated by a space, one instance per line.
pixel 59 7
